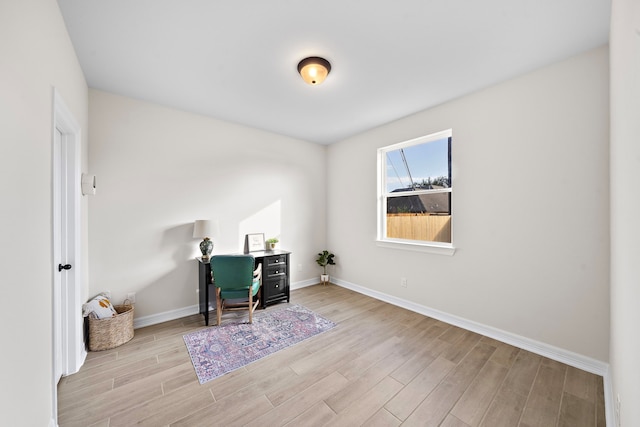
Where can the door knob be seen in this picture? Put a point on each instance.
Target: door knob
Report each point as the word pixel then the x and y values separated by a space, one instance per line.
pixel 64 267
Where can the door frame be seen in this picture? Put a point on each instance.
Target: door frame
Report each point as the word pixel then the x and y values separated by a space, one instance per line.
pixel 66 160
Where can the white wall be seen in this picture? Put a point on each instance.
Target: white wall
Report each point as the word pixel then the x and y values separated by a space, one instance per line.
pixel 625 208
pixel 530 208
pixel 158 170
pixel 35 56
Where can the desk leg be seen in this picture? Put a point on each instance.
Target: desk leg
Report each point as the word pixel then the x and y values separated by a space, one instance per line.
pixel 261 296
pixel 206 310
pixel 204 290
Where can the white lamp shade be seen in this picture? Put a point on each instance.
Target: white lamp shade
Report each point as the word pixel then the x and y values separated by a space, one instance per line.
pixel 205 228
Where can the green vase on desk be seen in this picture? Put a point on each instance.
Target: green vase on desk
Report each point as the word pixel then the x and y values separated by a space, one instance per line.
pixel 206 247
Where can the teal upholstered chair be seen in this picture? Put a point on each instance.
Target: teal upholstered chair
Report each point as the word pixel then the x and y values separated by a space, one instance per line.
pixel 237 283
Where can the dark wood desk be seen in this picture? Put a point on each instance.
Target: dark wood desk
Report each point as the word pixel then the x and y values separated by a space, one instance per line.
pixel 275 281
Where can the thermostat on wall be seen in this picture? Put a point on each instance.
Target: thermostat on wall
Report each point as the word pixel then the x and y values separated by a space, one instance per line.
pixel 88 183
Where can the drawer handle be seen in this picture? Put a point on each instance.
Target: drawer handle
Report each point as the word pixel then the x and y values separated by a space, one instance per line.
pixel 277 272
pixel 277 286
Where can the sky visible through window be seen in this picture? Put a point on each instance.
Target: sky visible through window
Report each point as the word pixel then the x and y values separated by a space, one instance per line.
pixel 428 160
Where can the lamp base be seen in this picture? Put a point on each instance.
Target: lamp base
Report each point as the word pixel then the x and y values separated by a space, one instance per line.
pixel 206 247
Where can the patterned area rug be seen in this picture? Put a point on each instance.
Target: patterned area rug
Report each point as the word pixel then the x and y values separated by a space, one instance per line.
pixel 220 349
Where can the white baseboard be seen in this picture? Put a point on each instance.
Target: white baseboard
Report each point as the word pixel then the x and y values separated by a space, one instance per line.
pixel 83 357
pixel 567 357
pixel 166 316
pixel 153 319
pixel 561 355
pixel 305 283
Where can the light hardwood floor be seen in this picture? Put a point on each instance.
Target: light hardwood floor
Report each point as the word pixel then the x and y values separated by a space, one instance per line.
pixel 381 366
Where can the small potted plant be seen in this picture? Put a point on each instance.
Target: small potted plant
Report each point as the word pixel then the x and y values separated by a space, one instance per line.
pixel 325 258
pixel 271 243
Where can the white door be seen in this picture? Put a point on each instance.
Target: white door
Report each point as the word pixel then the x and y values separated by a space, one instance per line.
pixel 68 351
pixel 59 256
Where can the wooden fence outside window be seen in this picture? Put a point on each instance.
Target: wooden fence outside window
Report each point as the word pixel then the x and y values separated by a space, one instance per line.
pixel 431 228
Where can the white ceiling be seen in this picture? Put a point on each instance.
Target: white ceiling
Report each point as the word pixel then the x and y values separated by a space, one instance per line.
pixel 236 60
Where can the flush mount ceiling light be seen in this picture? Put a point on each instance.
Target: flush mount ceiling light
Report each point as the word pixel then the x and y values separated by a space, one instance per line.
pixel 314 70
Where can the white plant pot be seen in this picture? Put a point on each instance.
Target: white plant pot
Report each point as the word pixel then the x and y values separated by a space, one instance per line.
pixel 324 278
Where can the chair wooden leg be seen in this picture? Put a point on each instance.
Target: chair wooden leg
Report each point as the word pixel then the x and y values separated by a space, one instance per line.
pixel 218 306
pixel 250 307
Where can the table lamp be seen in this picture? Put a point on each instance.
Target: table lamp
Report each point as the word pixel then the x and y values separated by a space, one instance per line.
pixel 203 228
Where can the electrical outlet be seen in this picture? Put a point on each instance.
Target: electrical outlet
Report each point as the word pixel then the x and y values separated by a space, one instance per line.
pixel 618 409
pixel 403 282
pixel 132 297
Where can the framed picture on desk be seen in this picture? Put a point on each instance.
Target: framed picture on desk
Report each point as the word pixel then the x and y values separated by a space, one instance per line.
pixel 254 242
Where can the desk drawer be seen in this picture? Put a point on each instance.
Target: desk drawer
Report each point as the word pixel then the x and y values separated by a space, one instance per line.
pixel 275 260
pixel 275 272
pixel 275 288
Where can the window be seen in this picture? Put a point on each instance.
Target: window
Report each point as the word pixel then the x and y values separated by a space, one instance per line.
pixel 414 192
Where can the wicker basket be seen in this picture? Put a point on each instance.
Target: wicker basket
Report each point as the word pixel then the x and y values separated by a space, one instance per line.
pixel 112 331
